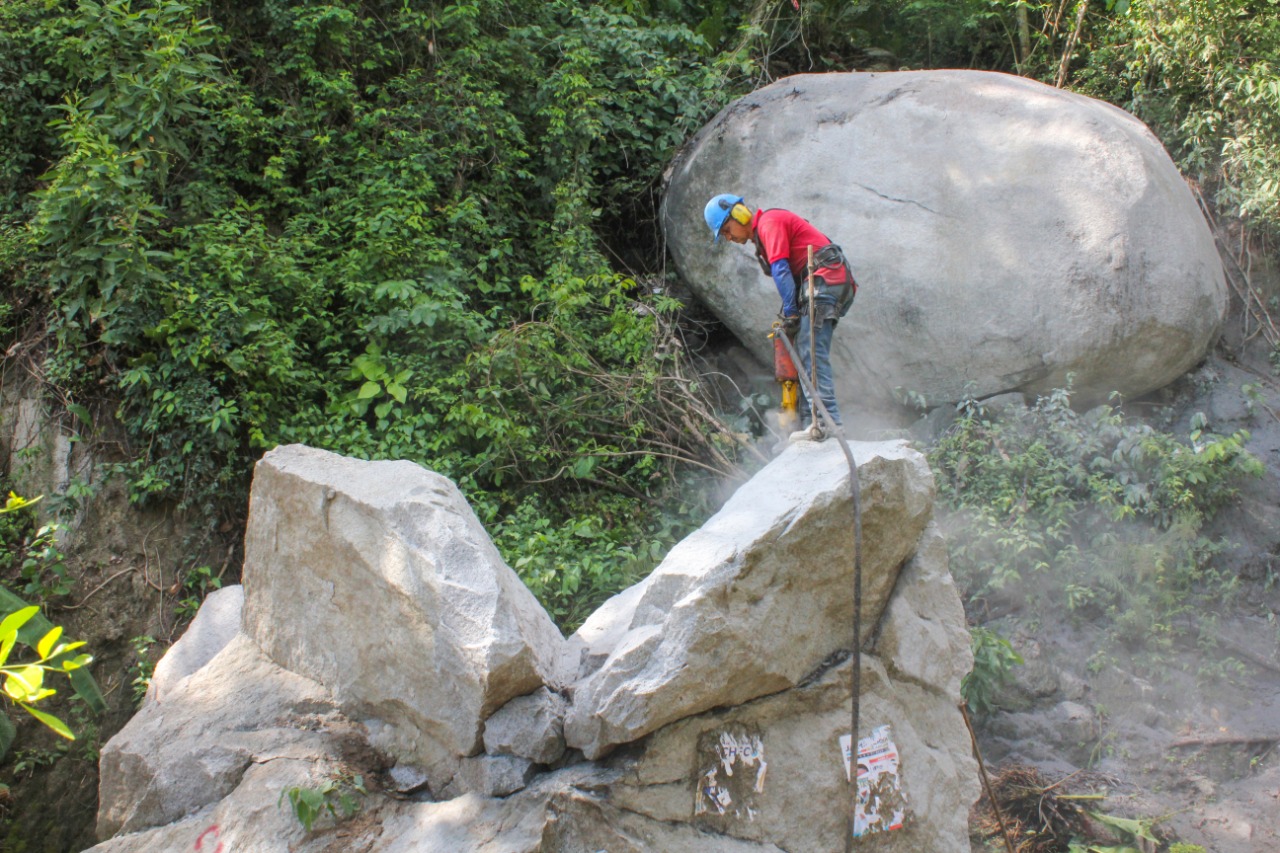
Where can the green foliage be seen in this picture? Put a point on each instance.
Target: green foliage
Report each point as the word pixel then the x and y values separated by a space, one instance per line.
pixel 143 669
pixel 1203 73
pixel 376 228
pixel 336 795
pixel 24 683
pixel 1090 511
pixel 993 660
pixel 197 583
pixel 29 557
pixel 29 759
pixel 21 624
pixel 140 81
pixel 573 566
pixel 43 569
pixel 1135 835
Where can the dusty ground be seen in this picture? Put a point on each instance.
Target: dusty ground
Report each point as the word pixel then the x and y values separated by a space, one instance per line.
pixel 1190 735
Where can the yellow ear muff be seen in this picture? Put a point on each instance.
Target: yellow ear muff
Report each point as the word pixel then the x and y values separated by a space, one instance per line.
pixel 741 213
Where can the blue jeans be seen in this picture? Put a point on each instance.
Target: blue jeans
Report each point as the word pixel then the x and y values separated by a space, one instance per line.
pixel 824 306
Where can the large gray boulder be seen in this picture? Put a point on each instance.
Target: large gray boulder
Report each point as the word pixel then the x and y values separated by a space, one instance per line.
pixel 376 580
pixel 1005 234
pixel 753 601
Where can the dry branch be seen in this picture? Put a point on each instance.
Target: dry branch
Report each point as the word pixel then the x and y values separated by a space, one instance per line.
pixel 1043 816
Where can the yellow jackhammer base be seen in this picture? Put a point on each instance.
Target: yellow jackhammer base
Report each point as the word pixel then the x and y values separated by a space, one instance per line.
pixel 788 411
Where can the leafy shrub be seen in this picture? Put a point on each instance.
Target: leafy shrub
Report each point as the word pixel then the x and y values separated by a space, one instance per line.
pixel 993 659
pixel 1203 74
pixel 375 228
pixel 1091 511
pixel 30 560
pixel 24 683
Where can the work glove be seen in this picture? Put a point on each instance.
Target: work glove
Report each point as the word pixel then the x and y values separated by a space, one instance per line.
pixel 791 325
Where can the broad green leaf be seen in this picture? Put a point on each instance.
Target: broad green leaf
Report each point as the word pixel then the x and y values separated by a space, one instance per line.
pixel 1136 828
pixel 72 663
pixel 48 641
pixel 370 368
pixel 81 414
pixel 584 465
pixel 23 684
pixel 15 621
pixel 51 721
pixel 369 389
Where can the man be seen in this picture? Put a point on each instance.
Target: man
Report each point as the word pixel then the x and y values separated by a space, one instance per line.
pixel 782 240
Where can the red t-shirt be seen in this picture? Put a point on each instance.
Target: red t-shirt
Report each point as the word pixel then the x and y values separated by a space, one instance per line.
pixel 783 234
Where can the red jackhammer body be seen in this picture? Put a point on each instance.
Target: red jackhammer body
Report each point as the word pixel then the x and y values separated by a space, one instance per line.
pixel 784 370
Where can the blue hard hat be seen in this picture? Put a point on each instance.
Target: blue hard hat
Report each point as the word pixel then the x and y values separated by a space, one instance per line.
pixel 717 212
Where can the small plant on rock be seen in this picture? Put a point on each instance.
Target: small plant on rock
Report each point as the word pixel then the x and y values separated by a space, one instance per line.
pixel 144 669
pixel 336 795
pixel 196 586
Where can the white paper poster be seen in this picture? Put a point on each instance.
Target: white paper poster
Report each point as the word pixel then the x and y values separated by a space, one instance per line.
pixel 881 805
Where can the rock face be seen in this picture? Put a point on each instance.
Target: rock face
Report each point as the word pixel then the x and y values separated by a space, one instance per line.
pixel 376 580
pixel 727 674
pixel 1004 233
pixel 192 747
pixel 217 624
pixel 530 727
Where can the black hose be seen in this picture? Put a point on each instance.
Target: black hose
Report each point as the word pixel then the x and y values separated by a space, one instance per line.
pixel 836 431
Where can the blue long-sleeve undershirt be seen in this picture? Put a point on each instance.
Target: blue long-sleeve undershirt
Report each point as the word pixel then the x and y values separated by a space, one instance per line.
pixel 786 285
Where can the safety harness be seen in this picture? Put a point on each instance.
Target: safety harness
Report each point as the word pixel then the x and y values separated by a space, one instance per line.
pixel 829 258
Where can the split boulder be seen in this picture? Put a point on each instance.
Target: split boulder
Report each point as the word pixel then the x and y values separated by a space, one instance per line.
pixel 736 752
pixel 757 598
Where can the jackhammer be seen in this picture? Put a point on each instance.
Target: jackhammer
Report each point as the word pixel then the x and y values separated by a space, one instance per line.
pixel 784 371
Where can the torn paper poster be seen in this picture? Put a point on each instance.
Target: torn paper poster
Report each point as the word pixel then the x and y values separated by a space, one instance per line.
pixel 731 776
pixel 882 805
